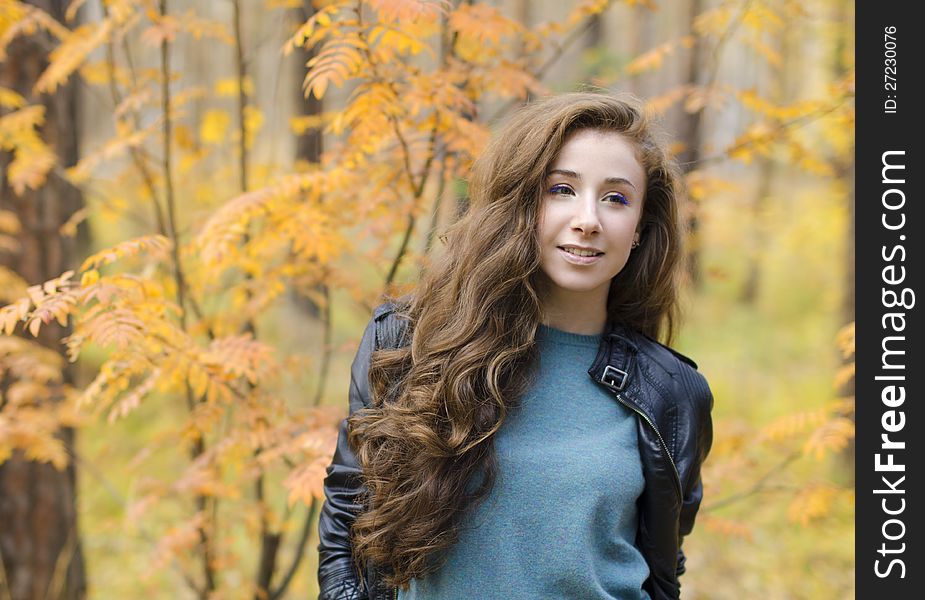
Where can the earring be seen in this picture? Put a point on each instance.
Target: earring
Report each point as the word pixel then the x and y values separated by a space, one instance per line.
pixel 635 244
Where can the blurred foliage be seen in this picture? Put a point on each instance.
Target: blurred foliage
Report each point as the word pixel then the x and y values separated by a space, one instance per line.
pixel 206 418
pixel 777 519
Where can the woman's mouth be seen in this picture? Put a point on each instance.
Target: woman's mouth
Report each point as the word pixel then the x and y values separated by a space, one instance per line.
pixel 580 256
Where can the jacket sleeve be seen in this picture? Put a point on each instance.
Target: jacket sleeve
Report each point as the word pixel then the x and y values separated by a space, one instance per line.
pixel 338 578
pixel 693 492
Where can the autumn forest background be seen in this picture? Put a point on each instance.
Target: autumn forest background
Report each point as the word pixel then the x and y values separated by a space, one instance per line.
pixel 201 202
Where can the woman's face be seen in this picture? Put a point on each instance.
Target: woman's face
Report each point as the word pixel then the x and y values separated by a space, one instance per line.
pixel 591 207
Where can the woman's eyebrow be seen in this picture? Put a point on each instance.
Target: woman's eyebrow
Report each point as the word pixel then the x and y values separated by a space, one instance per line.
pixel 565 173
pixel 620 180
pixel 574 175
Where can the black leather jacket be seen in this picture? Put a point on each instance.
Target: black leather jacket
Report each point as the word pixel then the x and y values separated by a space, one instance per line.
pixel 673 404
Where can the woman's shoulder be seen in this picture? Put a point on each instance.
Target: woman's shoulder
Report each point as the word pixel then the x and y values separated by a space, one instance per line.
pixel 679 367
pixel 384 310
pixel 665 355
pixel 389 324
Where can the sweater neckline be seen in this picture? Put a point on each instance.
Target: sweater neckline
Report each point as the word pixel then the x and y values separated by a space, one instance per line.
pixel 558 336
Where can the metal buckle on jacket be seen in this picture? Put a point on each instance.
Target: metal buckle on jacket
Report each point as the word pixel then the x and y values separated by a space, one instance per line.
pixel 614 378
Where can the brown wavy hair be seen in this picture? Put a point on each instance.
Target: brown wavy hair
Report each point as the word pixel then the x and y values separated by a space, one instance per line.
pixel 425 444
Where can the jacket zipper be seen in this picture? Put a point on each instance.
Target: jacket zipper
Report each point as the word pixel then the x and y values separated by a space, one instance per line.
pixel 674 467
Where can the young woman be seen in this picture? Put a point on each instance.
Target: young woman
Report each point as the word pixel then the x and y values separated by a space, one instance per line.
pixel 516 430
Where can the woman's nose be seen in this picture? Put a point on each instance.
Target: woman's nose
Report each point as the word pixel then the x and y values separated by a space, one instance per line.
pixel 585 217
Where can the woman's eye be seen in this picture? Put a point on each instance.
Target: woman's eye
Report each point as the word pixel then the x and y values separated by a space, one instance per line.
pixel 617 197
pixel 560 190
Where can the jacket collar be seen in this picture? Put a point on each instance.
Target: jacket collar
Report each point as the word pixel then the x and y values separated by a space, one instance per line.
pixel 616 354
pixel 615 366
pixel 619 368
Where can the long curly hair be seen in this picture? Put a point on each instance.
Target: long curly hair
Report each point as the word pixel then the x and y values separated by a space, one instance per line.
pixel 425 444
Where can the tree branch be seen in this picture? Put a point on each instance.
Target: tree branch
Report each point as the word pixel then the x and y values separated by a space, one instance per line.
pixel 540 72
pixel 418 192
pixel 800 121
pixel 417 187
pixel 438 201
pixel 299 551
pixel 327 345
pixel 137 157
pixel 760 484
pixel 242 96
pixel 88 467
pixel 199 445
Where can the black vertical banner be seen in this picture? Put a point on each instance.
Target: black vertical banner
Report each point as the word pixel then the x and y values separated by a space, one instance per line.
pixel 889 171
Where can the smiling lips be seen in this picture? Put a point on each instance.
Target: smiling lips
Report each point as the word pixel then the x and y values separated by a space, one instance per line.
pixel 580 255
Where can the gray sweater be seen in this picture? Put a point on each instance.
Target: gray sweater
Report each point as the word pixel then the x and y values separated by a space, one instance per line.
pixel 560 522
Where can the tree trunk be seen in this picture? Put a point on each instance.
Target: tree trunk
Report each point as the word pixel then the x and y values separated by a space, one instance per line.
pixel 691 132
pixel 639 37
pixel 779 92
pixel 40 549
pixel 309 145
pixel 595 32
pixel 758 237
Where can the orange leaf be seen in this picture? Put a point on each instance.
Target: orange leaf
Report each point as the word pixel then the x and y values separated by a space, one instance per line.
pixel 34 325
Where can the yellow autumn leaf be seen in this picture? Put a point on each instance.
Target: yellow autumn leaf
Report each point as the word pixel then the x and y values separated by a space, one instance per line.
pixel 762 18
pixel 155 245
pixel 845 340
pixel 68 57
pixel 11 99
pixel 701 186
pixel 30 167
pixel 817 167
pixel 301 124
pixel 483 23
pixel 81 172
pixel 214 126
pixel 34 326
pixel 792 424
pixel 189 161
pixel 651 60
pixel 60 312
pixel 15 127
pixel 201 28
pixel 832 436
pixel 198 380
pixel 12 286
pixel 89 278
pixel 339 59
pixel 404 11
pixel 98 73
pixel 812 503
pixel 184 138
pixel 163 30
pixel 657 105
pixel 12 314
pixel 384 38
pixel 69 227
pixel 229 87
pixel 305 481
pixel 844 375
pixel 60 282
pixel 9 222
pixel 726 527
